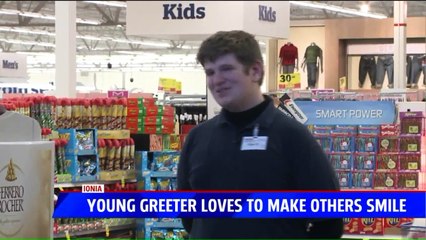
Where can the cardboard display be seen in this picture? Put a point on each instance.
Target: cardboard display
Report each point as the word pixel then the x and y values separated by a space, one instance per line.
pixel 26 189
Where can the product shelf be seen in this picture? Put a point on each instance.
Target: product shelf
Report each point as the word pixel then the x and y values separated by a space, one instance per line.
pixel 79 184
pixel 365 237
pixel 164 224
pixel 96 231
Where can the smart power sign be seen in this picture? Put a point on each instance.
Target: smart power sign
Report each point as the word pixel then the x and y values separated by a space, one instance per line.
pixel 348 112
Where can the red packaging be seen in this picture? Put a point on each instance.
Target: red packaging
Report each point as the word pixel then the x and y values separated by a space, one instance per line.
pixel 371 226
pixel 351 225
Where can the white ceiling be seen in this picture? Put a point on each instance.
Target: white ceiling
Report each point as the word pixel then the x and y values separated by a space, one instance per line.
pixel 110 38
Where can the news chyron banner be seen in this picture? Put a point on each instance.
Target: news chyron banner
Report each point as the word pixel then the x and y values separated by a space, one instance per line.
pixel 173 204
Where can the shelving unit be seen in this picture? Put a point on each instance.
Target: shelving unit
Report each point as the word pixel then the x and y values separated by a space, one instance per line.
pixel 366 237
pixel 105 230
pixel 79 184
pixel 148 225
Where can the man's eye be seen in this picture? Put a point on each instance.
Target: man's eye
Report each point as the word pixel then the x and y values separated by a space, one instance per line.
pixel 226 68
pixel 209 73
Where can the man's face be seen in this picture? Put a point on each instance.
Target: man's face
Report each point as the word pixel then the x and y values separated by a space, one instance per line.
pixel 232 86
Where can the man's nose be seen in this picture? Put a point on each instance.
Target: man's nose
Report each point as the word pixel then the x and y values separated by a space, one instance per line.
pixel 217 79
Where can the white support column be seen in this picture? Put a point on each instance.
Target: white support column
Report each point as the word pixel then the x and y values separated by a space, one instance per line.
pixel 400 44
pixel 271 73
pixel 65 28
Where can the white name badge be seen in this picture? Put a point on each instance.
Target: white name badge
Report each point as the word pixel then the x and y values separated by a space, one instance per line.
pixel 254 143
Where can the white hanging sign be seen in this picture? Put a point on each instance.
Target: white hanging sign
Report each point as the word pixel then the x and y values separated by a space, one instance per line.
pixel 198 19
pixel 13 65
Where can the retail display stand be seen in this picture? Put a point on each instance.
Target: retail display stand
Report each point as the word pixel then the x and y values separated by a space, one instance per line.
pixel 121 177
pixel 81 156
pixel 157 171
pixel 26 169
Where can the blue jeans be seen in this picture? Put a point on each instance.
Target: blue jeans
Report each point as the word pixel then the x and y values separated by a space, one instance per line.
pixel 384 65
pixel 312 74
pixel 415 70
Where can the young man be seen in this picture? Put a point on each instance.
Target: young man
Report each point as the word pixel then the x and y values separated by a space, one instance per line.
pixel 215 155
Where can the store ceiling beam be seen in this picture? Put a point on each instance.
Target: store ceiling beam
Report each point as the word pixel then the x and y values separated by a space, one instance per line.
pixel 37 9
pixel 53 24
pixel 117 14
pixel 389 11
pixel 104 15
pixel 85 43
pixel 19 8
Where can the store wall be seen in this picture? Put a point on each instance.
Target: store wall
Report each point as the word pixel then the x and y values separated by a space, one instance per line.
pixel 338 30
pixel 353 75
pixel 302 37
pixel 193 82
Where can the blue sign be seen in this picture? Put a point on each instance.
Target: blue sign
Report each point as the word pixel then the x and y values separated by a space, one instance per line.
pixel 279 204
pixel 348 112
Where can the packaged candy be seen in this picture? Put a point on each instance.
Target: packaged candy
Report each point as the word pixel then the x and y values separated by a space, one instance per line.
pixel 365 144
pixel 162 161
pixel 387 162
pixel 164 184
pixel 175 161
pixel 85 140
pixel 388 144
pixel 410 144
pixel 384 180
pixel 341 161
pixel 342 143
pixel 362 179
pixel 409 162
pixel 408 180
pixel 365 162
pixel 154 184
pixel 344 178
pixel 158 234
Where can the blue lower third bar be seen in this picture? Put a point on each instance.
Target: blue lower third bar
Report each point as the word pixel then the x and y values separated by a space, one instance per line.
pixel 152 204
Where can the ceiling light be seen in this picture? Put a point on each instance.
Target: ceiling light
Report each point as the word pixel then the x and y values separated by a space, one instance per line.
pixel 89 38
pixel 9 11
pixel 36 15
pixel 109 3
pixel 338 9
pixel 364 8
pixel 20 30
pixel 45 16
pixel 36 53
pixel 44 44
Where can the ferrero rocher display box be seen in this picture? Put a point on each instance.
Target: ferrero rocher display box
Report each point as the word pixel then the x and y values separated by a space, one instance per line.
pixel 26 189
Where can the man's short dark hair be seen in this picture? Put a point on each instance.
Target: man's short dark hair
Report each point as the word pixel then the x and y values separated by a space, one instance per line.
pixel 242 44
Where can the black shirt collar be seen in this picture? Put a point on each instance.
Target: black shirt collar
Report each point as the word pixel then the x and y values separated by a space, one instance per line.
pixel 261 114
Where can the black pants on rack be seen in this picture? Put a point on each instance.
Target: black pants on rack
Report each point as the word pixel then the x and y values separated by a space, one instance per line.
pixel 367 64
pixel 384 65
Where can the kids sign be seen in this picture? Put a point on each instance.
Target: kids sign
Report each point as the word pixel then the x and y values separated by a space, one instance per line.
pixel 195 20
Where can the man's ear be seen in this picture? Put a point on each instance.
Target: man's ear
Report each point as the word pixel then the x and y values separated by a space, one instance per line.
pixel 257 70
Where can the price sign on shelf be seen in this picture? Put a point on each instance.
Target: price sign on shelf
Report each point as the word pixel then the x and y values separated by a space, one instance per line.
pixel 288 80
